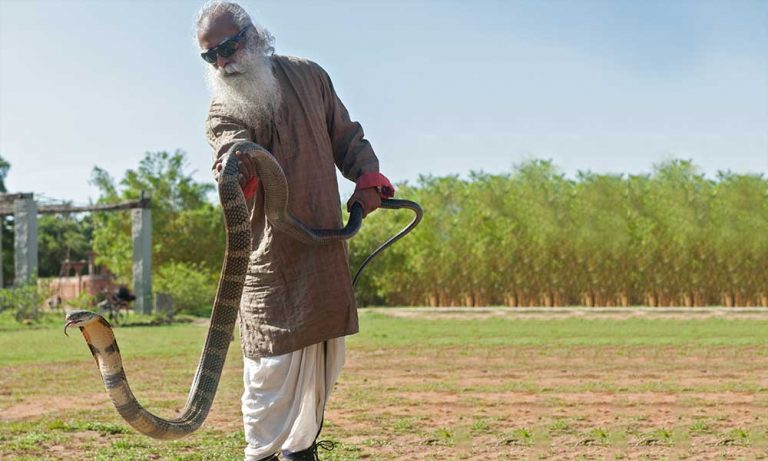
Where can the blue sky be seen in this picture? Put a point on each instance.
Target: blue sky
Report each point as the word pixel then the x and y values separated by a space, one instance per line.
pixel 440 87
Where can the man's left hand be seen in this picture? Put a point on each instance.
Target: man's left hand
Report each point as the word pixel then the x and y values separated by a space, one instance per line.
pixel 369 198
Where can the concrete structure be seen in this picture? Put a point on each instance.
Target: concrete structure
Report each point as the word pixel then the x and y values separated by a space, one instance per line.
pixel 141 230
pixel 25 211
pixel 25 243
pixel 69 286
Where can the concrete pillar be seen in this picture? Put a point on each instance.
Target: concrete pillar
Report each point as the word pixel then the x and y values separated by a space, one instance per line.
pixel 91 262
pixel 2 226
pixel 141 230
pixel 25 244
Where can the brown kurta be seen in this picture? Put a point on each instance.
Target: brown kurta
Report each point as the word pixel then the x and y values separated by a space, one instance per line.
pixel 297 294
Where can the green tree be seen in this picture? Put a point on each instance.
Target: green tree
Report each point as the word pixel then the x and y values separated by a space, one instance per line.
pixel 4 168
pixel 534 237
pixel 523 238
pixel 186 227
pixel 738 240
pixel 62 237
pixel 599 240
pixel 6 229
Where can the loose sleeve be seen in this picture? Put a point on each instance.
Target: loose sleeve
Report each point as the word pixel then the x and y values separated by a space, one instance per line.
pixel 223 131
pixel 352 153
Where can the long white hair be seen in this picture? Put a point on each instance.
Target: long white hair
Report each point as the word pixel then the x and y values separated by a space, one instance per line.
pixel 246 88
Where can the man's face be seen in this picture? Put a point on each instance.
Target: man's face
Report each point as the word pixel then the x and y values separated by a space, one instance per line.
pixel 213 32
pixel 243 83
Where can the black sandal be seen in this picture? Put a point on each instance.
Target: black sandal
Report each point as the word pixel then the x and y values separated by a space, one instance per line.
pixel 310 454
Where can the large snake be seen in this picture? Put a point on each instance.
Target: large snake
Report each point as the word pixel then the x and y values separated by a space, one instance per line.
pixel 101 340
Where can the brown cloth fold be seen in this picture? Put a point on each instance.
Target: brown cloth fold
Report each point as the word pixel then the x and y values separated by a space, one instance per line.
pixel 298 294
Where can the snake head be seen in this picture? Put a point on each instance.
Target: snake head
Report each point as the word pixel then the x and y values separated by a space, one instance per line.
pixel 80 318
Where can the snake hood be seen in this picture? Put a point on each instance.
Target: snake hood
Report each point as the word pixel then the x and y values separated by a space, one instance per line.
pixel 81 318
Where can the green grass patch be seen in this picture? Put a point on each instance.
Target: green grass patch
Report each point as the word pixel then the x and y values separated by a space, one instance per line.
pixel 382 330
pixel 49 345
pixel 46 342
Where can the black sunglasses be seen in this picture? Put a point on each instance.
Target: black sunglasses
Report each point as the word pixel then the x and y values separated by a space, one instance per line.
pixel 225 49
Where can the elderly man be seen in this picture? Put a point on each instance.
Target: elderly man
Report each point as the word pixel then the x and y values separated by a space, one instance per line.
pixel 298 302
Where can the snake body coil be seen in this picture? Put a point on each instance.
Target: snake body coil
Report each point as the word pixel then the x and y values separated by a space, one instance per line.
pixel 101 340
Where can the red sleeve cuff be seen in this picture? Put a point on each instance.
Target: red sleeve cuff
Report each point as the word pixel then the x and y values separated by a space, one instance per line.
pixel 250 188
pixel 386 189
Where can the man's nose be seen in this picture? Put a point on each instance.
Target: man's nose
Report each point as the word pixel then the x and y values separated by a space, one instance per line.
pixel 222 61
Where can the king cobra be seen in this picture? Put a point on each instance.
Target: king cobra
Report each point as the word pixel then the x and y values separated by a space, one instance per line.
pixel 100 337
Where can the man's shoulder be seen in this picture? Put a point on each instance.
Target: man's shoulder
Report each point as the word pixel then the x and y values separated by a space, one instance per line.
pixel 294 61
pixel 298 64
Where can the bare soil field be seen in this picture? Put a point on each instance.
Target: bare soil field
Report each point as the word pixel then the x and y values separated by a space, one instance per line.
pixel 456 387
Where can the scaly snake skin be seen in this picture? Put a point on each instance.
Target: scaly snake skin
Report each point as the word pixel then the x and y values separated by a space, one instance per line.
pixel 101 340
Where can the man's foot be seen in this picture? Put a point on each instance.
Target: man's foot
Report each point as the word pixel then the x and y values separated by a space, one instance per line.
pixel 270 458
pixel 310 454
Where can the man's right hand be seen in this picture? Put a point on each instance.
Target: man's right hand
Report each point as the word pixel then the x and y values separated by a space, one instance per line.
pixel 245 165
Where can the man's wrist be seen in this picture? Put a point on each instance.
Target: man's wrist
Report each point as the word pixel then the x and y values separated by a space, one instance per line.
pixel 378 181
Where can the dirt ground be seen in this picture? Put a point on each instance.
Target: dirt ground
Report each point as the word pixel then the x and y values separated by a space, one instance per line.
pixel 490 403
pixel 581 406
pixel 570 403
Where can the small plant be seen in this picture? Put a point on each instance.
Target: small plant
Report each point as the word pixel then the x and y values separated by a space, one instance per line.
pixel 521 436
pixel 402 425
pixel 479 427
pixel 83 301
pixel 658 437
pixel 663 434
pixel 560 426
pixel 599 434
pixel 106 428
pixel 737 437
pixel 442 436
pixel 444 433
pixel 596 436
pixel 58 424
pixel 24 300
pixel 128 444
pixel 699 427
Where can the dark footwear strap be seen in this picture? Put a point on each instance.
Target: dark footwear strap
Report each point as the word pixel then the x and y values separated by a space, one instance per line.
pixel 310 454
pixel 326 445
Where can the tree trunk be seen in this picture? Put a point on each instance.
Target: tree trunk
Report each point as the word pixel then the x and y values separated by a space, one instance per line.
pixel 688 299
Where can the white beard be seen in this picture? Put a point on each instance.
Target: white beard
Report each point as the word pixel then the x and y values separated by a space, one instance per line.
pixel 247 89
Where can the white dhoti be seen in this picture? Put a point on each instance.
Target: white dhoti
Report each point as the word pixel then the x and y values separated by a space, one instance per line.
pixel 285 397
